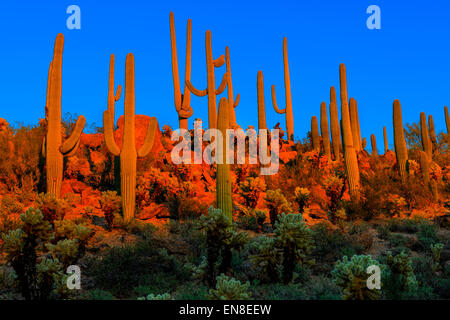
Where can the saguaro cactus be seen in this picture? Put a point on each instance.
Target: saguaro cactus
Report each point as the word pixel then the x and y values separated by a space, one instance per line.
pixel 261 101
pixel 401 152
pixel 363 144
pixel 324 130
pixel 386 147
pixel 128 154
pixel 425 137
pixel 224 200
pixel 233 103
pixel 111 97
pixel 334 124
pixel 351 161
pixel 315 137
pixel 447 119
pixel 432 131
pixel 287 85
pixel 425 168
pixel 53 148
pixel 354 124
pixel 211 82
pixel 373 142
pixel 182 102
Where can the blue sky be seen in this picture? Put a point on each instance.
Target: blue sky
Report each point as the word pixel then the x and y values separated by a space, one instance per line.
pixel 408 59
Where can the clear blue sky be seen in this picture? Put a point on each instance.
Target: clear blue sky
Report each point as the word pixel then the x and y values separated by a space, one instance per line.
pixel 408 59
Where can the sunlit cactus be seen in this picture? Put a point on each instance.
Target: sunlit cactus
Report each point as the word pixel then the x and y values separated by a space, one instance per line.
pixel 354 124
pixel 53 148
pixel 211 90
pixel 261 101
pixel 386 146
pixel 425 136
pixel 324 130
pixel 447 119
pixel 111 97
pixel 223 182
pixel 351 161
pixel 287 84
pixel 373 142
pixel 401 152
pixel 424 167
pixel 334 125
pixel 128 154
pixel 363 144
pixel 315 137
pixel 233 103
pixel 432 131
pixel 182 102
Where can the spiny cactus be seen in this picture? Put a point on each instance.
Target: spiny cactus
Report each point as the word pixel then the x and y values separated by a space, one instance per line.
pixel 424 167
pixel 401 152
pixel 287 85
pixel 211 82
pixel 315 133
pixel 53 148
pixel 386 146
pixel 354 124
pixel 351 161
pixel 224 200
pixel 334 124
pixel 261 102
pixel 324 130
pixel 182 102
pixel 232 103
pixel 373 142
pixel 128 154
pixel 425 137
pixel 111 97
pixel 363 144
pixel 447 119
pixel 228 288
pixel 432 131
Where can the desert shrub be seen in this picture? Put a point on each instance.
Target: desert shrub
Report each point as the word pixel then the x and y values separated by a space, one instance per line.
pixel 334 189
pixel 251 219
pixel 156 186
pixel 400 279
pixel 277 204
pixel 278 291
pixel 10 205
pixel 383 232
pixel 8 220
pixel 295 239
pixel 250 189
pixel 228 288
pixel 404 225
pixel 361 234
pixel 302 198
pixel 427 235
pixel 185 207
pixel 51 208
pixel 351 275
pixel 111 205
pixel 191 291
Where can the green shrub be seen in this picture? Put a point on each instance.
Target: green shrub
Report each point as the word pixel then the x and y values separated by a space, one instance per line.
pixel 229 289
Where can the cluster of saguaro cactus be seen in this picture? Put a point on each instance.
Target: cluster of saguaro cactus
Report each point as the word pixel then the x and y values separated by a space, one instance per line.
pixel 334 125
pixel 53 148
pixel 401 152
pixel 425 136
pixel 315 137
pixel 386 146
pixel 211 90
pixel 287 84
pixel 373 142
pixel 182 102
pixel 351 161
pixel 223 180
pixel 128 153
pixel 324 130
pixel 261 101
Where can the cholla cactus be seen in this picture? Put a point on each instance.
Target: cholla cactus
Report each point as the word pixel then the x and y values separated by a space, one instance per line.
pixel 53 149
pixel 277 204
pixel 315 134
pixel 401 278
pixel 266 257
pixel 324 130
pixel 250 189
pixel 52 209
pixel 302 196
pixel 401 152
pixel 351 275
pixel 228 288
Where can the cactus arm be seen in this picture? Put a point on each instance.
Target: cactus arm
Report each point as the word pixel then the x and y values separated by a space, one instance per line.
pixel 108 127
pixel 72 151
pixel 74 138
pixel 236 102
pixel 186 113
pixel 274 102
pixel 187 94
pixel 198 93
pixel 49 83
pixel 44 146
pixel 223 85
pixel 118 92
pixel 175 74
pixel 149 138
pixel 220 61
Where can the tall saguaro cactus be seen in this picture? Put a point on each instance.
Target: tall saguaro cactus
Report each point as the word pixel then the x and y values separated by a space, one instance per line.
pixel 287 84
pixel 351 161
pixel 233 103
pixel 373 142
pixel 424 167
pixel 182 102
pixel 432 131
pixel 425 137
pixel 315 137
pixel 401 152
pixel 354 124
pixel 334 125
pixel 128 153
pixel 111 97
pixel 224 200
pixel 386 146
pixel 53 148
pixel 210 90
pixel 324 130
pixel 261 101
pixel 447 119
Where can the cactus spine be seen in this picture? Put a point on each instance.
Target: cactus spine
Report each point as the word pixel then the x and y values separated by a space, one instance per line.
pixel 182 102
pixel 351 161
pixel 211 82
pixel 261 102
pixel 447 119
pixel 53 148
pixel 334 124
pixel 373 142
pixel 425 137
pixel 386 147
pixel 354 125
pixel 432 131
pixel 401 152
pixel 315 137
pixel 233 103
pixel 287 85
pixel 224 200
pixel 324 130
pixel 128 153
